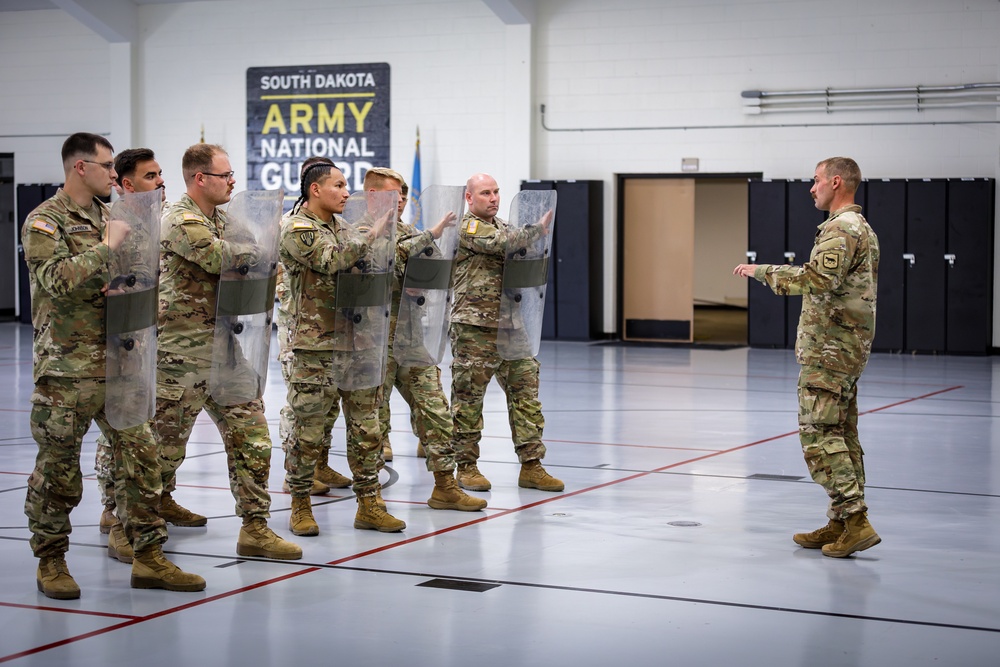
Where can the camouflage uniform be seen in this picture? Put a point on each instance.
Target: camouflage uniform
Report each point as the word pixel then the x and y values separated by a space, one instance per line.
pixel 191 260
pixel 833 344
pixel 475 317
pixel 68 268
pixel 420 386
pixel 312 251
pixel 104 459
pixel 287 417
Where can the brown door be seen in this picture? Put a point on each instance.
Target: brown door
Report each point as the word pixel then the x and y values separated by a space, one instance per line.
pixel 658 259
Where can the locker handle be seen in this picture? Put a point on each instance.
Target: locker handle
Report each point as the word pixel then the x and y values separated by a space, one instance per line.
pixel 910 257
pixel 790 256
pixel 950 259
pixel 751 256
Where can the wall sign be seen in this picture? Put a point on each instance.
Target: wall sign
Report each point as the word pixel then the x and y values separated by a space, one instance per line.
pixel 335 111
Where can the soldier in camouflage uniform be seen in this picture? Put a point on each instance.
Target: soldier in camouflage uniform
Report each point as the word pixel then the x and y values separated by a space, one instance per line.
pixel 325 477
pixel 67 241
pixel 314 247
pixel 420 386
pixel 485 240
pixel 138 171
pixel 193 249
pixel 834 341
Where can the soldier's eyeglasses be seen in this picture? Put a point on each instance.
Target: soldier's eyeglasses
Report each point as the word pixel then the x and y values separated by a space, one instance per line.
pixel 107 165
pixel 226 176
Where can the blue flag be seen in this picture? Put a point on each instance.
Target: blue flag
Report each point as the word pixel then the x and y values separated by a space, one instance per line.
pixel 415 217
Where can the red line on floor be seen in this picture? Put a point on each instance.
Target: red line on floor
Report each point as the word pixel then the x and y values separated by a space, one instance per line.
pixel 417 538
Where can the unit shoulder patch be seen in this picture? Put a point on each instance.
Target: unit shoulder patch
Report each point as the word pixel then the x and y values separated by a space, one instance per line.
pixel 42 225
pixel 830 260
pixel 308 238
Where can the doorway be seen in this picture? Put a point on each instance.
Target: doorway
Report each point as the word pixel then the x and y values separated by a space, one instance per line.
pixel 679 237
pixel 8 238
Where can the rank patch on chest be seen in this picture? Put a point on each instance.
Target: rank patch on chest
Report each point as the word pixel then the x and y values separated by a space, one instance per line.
pixel 831 260
pixel 44 226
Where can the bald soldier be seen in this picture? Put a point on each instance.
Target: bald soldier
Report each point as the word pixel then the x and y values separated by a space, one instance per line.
pixel 484 241
pixel 834 340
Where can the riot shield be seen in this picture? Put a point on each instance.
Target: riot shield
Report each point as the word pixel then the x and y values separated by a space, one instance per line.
pixel 364 293
pixel 525 273
pixel 245 297
pixel 132 299
pixel 422 321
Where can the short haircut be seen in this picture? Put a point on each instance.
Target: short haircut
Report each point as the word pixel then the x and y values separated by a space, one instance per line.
pixel 406 189
pixel 198 158
pixel 126 161
pixel 846 168
pixel 82 144
pixel 376 177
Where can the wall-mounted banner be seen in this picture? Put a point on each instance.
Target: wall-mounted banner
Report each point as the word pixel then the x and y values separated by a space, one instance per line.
pixel 335 111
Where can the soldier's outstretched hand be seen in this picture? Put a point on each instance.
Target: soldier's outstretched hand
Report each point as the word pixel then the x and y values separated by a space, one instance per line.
pixel 447 221
pixel 546 221
pixel 745 270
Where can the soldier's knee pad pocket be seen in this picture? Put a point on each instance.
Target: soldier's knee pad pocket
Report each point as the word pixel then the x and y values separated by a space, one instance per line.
pixel 53 412
pixel 834 447
pixel 308 370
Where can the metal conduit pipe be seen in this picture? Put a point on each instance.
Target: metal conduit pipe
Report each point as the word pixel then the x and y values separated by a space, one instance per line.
pixel 917 98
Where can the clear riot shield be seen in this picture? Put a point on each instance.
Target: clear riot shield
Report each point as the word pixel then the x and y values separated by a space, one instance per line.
pixel 245 298
pixel 525 274
pixel 422 321
pixel 132 300
pixel 364 293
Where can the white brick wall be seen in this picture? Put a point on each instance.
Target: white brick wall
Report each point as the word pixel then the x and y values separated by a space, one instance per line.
pixel 597 64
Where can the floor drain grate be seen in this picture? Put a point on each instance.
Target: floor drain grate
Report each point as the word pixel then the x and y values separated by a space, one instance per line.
pixel 455 585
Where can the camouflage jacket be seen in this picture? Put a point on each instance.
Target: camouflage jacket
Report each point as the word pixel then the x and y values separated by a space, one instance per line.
pixel 67 266
pixel 409 241
pixel 838 286
pixel 192 255
pixel 312 251
pixel 482 249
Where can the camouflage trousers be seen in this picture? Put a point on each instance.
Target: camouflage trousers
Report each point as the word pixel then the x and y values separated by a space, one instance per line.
pixel 475 362
pixel 62 410
pixel 104 465
pixel 430 417
pixel 181 394
pixel 286 421
pixel 313 398
pixel 828 431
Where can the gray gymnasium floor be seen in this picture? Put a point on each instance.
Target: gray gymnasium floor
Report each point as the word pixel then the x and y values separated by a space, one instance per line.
pixel 671 545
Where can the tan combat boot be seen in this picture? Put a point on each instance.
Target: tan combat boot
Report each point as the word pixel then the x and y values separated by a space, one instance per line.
pixel 301 522
pixel 371 516
pixel 151 569
pixel 108 519
pixel 470 478
pixel 533 476
pixel 118 545
pixel 378 497
pixel 330 477
pixel 256 539
pixel 828 534
pixel 447 496
pixel 318 488
pixel 421 452
pixel 173 513
pixel 858 535
pixel 387 451
pixel 54 579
